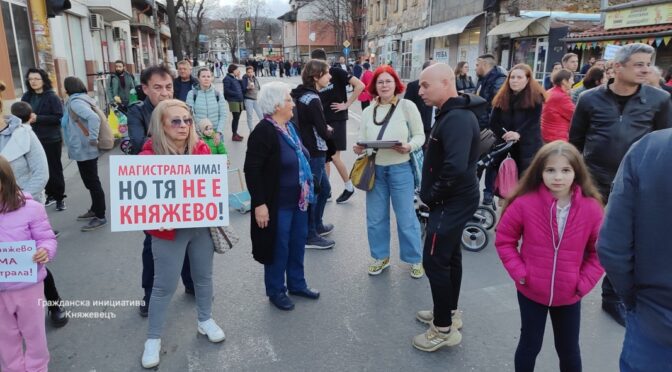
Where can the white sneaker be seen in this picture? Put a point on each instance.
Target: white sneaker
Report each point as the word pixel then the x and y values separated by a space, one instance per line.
pixel 212 330
pixel 150 357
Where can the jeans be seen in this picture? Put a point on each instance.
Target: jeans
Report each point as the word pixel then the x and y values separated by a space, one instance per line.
pixel 168 262
pixel 290 247
pixel 148 269
pixel 393 182
pixel 641 353
pixel 55 187
pixel 566 322
pixel 252 105
pixel 88 170
pixel 316 210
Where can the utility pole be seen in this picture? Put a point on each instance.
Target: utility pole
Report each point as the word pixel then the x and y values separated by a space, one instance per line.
pixel 157 30
pixel 238 38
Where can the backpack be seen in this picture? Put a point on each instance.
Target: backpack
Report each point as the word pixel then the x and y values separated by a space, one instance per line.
pixel 196 94
pixel 105 135
pixel 507 178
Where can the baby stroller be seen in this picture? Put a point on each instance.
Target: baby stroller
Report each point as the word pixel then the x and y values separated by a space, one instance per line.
pixel 242 201
pixel 125 141
pixel 475 234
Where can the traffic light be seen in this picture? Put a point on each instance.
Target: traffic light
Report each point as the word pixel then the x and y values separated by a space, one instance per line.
pixel 248 26
pixel 56 7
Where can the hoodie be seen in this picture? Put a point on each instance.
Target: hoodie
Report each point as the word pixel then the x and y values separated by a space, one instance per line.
pixel 310 120
pixel 449 170
pixel 20 146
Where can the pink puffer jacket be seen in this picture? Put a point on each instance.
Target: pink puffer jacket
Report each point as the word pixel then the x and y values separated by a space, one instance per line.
pixel 28 223
pixel 577 268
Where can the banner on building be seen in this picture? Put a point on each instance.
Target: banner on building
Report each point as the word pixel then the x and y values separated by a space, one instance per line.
pixel 441 55
pixel 168 191
pixel 610 51
pixel 16 262
pixel 639 16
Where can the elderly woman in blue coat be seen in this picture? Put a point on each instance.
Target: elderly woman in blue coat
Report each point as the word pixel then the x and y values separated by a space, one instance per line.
pixel 81 126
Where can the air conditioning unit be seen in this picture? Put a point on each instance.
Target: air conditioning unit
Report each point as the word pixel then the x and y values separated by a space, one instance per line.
pixel 96 22
pixel 117 33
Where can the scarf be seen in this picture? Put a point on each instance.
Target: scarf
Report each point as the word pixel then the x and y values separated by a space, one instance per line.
pixel 307 194
pixel 122 80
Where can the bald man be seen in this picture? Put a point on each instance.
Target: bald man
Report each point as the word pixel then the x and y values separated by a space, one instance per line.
pixel 450 189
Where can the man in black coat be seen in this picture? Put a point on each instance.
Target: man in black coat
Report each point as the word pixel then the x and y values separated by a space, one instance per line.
pixel 608 120
pixel 450 189
pixel 426 112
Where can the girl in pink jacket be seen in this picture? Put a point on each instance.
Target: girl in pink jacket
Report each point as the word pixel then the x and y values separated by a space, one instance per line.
pixel 21 303
pixel 557 212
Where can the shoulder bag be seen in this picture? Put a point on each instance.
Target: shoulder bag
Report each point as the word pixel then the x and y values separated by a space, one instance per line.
pixel 224 238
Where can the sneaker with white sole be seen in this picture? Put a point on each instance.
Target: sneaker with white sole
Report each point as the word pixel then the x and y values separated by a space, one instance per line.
pixel 318 242
pixel 212 330
pixel 377 266
pixel 417 271
pixel 150 357
pixel 434 339
pixel 427 317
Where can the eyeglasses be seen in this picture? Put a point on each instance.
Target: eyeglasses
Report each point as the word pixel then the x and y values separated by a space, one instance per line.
pixel 177 122
pixel 35 79
pixel 384 82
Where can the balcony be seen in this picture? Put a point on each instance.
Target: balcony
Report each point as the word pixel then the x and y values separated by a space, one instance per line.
pixel 111 10
pixel 165 31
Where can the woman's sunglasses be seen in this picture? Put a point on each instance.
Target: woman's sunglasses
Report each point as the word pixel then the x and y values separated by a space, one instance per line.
pixel 177 122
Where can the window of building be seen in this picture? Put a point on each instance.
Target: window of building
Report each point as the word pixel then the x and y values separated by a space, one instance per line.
pixel 72 30
pixel 405 4
pixel 406 58
pixel 384 16
pixel 396 5
pixel 19 41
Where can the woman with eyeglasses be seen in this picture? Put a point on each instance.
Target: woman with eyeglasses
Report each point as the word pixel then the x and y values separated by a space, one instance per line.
pixel 173 133
pixel 390 118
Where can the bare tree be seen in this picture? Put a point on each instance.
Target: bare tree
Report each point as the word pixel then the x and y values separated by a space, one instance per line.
pixel 171 10
pixel 256 11
pixel 339 15
pixel 229 33
pixel 191 17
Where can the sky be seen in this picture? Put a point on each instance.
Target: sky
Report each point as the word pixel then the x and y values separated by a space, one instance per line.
pixel 276 8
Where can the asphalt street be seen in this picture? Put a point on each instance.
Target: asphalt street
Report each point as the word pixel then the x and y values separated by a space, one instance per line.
pixel 360 323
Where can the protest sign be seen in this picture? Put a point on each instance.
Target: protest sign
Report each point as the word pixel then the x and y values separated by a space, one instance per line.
pixel 168 191
pixel 16 262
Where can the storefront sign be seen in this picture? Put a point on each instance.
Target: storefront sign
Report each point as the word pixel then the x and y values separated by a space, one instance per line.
pixel 441 55
pixel 641 16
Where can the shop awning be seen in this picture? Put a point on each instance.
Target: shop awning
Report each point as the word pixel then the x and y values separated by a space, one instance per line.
pixel 452 27
pixel 519 26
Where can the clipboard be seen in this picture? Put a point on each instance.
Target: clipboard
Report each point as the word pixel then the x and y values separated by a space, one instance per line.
pixel 378 144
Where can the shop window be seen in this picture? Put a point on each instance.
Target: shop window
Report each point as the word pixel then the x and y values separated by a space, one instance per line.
pixel 19 42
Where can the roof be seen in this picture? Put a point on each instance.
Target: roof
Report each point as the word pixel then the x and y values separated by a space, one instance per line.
pixel 599 31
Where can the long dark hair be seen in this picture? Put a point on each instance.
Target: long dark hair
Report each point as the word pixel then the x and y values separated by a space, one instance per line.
pixel 45 79
pixel 593 77
pixel 458 69
pixel 11 197
pixel 532 95
pixel 533 177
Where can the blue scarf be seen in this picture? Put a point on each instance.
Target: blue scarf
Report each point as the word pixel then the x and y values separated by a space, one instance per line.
pixel 305 175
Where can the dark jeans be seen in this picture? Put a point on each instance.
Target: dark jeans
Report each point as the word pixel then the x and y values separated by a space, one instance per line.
pixel 641 352
pixel 148 269
pixel 316 211
pixel 442 259
pixel 234 122
pixel 50 291
pixel 55 187
pixel 290 248
pixel 566 322
pixel 88 170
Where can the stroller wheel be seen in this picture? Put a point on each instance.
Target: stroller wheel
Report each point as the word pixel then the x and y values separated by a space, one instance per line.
pixel 125 146
pixel 474 237
pixel 485 217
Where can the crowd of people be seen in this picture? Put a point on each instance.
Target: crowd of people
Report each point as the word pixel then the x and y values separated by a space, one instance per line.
pixel 577 145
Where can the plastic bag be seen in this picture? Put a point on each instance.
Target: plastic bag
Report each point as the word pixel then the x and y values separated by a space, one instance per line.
pixel 114 124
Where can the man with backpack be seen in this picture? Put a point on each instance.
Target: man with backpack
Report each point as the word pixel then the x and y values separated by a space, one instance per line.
pixel 120 85
pixel 157 84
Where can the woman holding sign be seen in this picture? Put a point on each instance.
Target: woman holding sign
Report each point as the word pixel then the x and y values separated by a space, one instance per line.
pixel 173 133
pixel 21 287
pixel 278 176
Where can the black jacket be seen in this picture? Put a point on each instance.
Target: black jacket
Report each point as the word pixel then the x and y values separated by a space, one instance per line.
pixel 604 134
pixel 310 119
pixel 181 89
pixel 527 122
pixel 634 244
pixel 262 174
pixel 449 169
pixel 49 112
pixel 412 95
pixel 487 87
pixel 138 117
pixel 464 84
pixel 233 89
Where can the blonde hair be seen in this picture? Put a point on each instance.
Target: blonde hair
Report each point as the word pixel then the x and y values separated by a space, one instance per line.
pixel 203 123
pixel 161 144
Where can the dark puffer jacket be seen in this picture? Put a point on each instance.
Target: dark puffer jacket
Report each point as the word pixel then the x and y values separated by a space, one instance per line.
pixel 49 111
pixel 604 133
pixel 487 88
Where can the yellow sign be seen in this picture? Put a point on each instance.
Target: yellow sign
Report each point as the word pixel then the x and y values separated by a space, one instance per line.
pixel 346 44
pixel 641 16
pixel 248 26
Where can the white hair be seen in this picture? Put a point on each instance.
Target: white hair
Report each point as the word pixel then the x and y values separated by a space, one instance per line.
pixel 271 96
pixel 623 55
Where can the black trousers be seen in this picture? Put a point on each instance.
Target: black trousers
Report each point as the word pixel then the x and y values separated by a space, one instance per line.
pixel 566 322
pixel 55 187
pixel 234 122
pixel 88 170
pixel 148 269
pixel 50 291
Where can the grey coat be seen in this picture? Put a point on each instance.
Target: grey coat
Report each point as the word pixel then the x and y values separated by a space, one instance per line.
pixel 81 147
pixel 20 146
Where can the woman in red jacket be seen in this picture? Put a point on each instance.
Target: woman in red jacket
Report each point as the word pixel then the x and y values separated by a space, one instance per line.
pixel 557 212
pixel 556 115
pixel 173 133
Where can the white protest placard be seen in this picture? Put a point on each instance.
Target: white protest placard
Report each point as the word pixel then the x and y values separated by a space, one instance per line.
pixel 168 191
pixel 16 262
pixel 610 51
